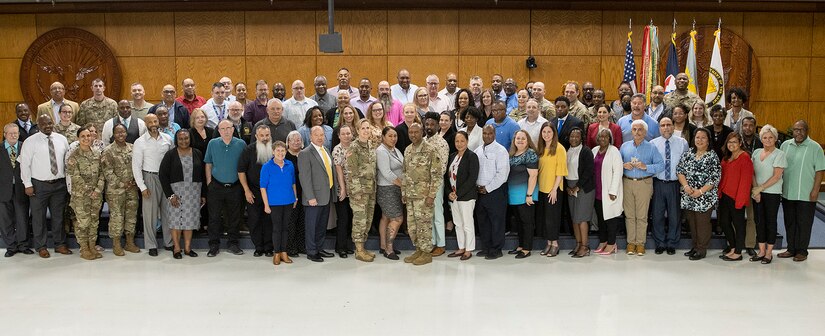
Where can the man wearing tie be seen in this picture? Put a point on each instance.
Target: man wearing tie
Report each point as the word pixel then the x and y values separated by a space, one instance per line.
pixel 666 195
pixel 14 205
pixel 25 126
pixel 565 122
pixel 42 172
pixel 318 183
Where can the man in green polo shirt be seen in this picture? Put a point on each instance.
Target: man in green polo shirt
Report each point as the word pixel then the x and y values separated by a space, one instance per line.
pixel 800 189
pixel 224 199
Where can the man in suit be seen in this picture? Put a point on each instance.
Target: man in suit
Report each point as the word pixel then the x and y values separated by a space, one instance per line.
pixel 177 112
pixel 318 183
pixel 52 107
pixel 564 122
pixel 25 126
pixel 14 204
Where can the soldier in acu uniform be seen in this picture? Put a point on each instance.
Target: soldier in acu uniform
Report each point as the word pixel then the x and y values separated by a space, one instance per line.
pixel 422 178
pixel 83 166
pixel 121 191
pixel 681 95
pixel 361 184
pixel 98 109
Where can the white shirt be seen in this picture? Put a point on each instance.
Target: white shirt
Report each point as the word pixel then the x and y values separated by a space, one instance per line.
pixel 109 128
pixel 296 110
pixel 404 96
pixel 211 110
pixel 440 104
pixel 147 154
pixel 450 97
pixel 474 141
pixel 227 100
pixel 334 91
pixel 532 128
pixel 34 159
pixel 494 165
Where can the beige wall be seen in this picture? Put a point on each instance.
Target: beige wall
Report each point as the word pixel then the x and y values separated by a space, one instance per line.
pixel 160 48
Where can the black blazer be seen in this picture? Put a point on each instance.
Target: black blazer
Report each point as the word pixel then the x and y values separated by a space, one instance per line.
pixel 466 176
pixel 7 174
pixel 247 133
pixel 23 134
pixel 569 124
pixel 586 181
pixel 171 171
pixel 688 132
pixel 180 114
pixel 199 143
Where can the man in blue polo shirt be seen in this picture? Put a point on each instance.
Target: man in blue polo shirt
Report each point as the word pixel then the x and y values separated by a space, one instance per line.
pixel 225 195
pixel 505 127
pixel 637 112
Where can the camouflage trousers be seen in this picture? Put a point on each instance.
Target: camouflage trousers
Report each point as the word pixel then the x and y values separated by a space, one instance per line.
pixel 87 211
pixel 122 212
pixel 363 207
pixel 420 224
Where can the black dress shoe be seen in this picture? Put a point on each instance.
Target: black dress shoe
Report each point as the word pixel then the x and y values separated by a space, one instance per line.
pixel 756 258
pixel 391 256
pixel 750 252
pixel 325 254
pixel 671 251
pixel 153 252
pixel 269 254
pixel 493 255
pixel 697 256
pixel 342 254
pixel 213 251
pixel 522 254
pixel 482 253
pixel 177 255
pixel 659 250
pixel 10 253
pixel 690 253
pixel 315 257
pixel 169 248
pixel 350 251
pixel 396 251
pixel 234 249
pixel 26 251
pixel 726 258
pixel 191 253
pixel 257 254
pixel 513 251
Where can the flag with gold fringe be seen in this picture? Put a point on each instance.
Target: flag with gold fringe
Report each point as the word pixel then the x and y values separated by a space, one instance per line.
pixel 629 65
pixel 715 93
pixel 672 67
pixel 690 66
pixel 650 60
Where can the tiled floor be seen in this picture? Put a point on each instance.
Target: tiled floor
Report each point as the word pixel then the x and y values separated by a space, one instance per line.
pixel 243 295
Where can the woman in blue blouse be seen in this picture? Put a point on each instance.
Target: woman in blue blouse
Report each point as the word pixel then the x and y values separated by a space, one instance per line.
pixel 279 196
pixel 521 184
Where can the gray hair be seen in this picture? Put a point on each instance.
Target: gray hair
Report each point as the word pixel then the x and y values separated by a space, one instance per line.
pixel 639 122
pixel 295 133
pixel 640 96
pixel 768 128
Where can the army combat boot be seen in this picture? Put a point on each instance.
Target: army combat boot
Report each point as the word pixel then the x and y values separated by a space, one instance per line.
pixel 130 243
pixel 116 248
pixel 423 259
pixel 85 253
pixel 361 253
pixel 92 249
pixel 414 256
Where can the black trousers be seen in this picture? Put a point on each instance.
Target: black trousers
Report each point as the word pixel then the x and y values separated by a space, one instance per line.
pixel 225 206
pixel 550 214
pixel 732 221
pixel 14 221
pixel 344 231
pixel 524 221
pixel 280 218
pixel 316 227
pixel 52 196
pixel 260 229
pixel 491 210
pixel 607 228
pixel 799 220
pixel 766 213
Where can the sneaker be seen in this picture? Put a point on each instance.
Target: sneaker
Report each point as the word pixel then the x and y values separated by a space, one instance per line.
pixel 235 250
pixel 631 249
pixel 640 250
pixel 213 251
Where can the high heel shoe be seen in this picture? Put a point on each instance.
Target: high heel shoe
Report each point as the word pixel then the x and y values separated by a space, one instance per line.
pixel 600 249
pixel 584 251
pixel 765 260
pixel 276 259
pixel 546 250
pixel 285 257
pixel 554 251
pixel 514 251
pixel 605 252
pixel 573 252
pixel 522 254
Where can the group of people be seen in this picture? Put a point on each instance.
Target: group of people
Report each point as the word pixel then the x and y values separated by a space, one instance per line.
pixel 434 160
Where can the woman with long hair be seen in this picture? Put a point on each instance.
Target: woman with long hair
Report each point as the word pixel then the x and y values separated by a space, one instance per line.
pixel 734 195
pixel 552 170
pixel 521 189
pixel 699 173
pixel 390 163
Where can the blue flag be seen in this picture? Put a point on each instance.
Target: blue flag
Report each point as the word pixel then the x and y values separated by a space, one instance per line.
pixel 672 66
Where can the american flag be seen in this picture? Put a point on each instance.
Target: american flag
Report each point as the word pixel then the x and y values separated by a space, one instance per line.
pixel 629 65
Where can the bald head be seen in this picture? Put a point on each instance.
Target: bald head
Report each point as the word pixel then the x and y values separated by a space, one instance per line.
pixel 316 136
pixel 298 90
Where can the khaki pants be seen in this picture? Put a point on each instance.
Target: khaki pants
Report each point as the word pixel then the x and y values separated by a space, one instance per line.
pixel 750 226
pixel 636 203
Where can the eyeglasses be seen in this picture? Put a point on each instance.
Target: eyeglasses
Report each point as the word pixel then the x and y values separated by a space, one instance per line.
pixel 168 91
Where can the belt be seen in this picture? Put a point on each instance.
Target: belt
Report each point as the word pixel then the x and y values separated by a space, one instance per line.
pixel 637 179
pixel 148 172
pixel 225 185
pixel 666 181
pixel 50 181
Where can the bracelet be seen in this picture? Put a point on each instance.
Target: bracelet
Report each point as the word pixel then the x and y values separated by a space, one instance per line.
pixel 529 195
pixel 173 196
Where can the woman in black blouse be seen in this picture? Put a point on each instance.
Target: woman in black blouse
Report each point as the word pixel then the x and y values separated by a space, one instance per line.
pixel 460 188
pixel 295 242
pixel 718 131
pixel 201 134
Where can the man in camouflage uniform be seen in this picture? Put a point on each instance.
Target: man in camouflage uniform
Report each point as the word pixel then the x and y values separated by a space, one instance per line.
pixel 96 110
pixel 361 184
pixel 443 150
pixel 83 166
pixel 681 95
pixel 577 108
pixel 121 191
pixel 546 107
pixel 421 182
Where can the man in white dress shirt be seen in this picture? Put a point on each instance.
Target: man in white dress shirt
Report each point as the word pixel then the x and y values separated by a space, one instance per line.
pixel 147 153
pixel 295 108
pixel 533 122
pixel 217 108
pixel 491 206
pixel 42 170
pixel 404 91
pixel 438 103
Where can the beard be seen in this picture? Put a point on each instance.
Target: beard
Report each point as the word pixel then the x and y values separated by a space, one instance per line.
pixel 385 99
pixel 263 151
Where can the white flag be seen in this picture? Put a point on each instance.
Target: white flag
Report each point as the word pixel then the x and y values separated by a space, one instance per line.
pixel 716 78
pixel 690 65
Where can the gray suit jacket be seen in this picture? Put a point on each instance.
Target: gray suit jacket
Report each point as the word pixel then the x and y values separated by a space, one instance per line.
pixel 313 177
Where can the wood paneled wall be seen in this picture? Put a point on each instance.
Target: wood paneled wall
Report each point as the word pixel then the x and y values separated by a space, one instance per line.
pixel 161 48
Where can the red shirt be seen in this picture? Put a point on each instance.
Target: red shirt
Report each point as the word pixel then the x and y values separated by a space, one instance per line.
pixel 737 177
pixel 191 104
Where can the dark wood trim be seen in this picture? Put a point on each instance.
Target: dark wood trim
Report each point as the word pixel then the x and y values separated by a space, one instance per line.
pixel 104 6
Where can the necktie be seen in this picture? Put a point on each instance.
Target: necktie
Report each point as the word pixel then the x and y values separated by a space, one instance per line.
pixel 13 156
pixel 220 111
pixel 125 122
pixel 667 160
pixel 27 126
pixel 561 122
pixel 327 166
pixel 52 156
